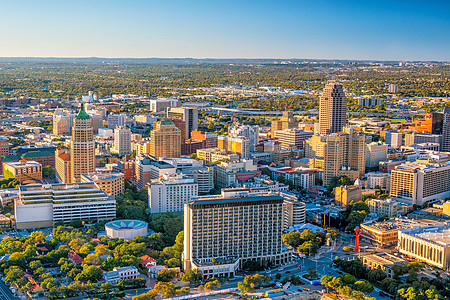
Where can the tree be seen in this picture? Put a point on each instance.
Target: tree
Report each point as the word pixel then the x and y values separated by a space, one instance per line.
pixel 184 291
pixel 90 273
pixel 376 275
pixel 48 171
pixel 166 275
pixel 76 223
pixel 312 274
pixel 245 288
pixel 347 279
pixel 363 286
pixel 193 276
pixel 278 276
pixel 165 289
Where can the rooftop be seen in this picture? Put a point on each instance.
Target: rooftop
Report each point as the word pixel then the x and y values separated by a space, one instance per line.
pixel 437 234
pixel 58 186
pixel 82 115
pixel 385 258
pixel 102 176
pixel 223 200
pixel 23 163
pixel 126 224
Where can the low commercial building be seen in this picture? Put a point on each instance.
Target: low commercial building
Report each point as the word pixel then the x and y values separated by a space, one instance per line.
pixel 430 244
pixel 230 173
pixel 23 170
pixel 123 273
pixel 43 205
pixel 382 261
pixel 383 207
pixel 112 183
pixel 385 234
pixel 148 167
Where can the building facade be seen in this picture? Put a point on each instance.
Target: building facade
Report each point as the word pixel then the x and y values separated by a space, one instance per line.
pixel 82 146
pixel 122 140
pixel 332 108
pixel 43 205
pixel 227 232
pixel 189 115
pixel 292 137
pixel 170 193
pixel 112 183
pixel 165 140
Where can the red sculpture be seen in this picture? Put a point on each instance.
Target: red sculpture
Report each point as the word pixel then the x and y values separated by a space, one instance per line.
pixel 358 233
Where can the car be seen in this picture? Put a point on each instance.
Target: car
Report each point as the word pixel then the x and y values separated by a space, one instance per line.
pixel 280 269
pixel 306 289
pixel 288 271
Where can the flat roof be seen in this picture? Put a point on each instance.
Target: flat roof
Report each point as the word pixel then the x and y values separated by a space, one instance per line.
pixel 58 186
pixel 221 200
pixel 438 234
pixel 384 258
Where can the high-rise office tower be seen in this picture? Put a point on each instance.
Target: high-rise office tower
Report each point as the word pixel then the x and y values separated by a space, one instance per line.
pixel 62 123
pixel 122 140
pixel 247 131
pixel 332 108
pixel 187 114
pixel 446 130
pixel 287 121
pixel 344 154
pixel 165 140
pixel 82 154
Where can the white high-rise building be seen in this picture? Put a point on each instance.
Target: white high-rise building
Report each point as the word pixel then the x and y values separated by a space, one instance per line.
pixel 170 193
pixel 395 139
pixel 115 120
pixel 393 88
pixel 122 140
pixel 222 232
pixel 250 132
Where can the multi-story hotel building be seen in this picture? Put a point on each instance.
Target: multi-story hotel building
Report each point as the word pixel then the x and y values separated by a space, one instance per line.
pixel 247 131
pixel 42 205
pixel 4 146
pixel 315 146
pixel 62 123
pixel 62 166
pixel 23 170
pixel 222 233
pixel 383 207
pixel 419 138
pixel 239 145
pixel 344 195
pixel 430 244
pixel 418 182
pixel 189 115
pixel 344 154
pixel 292 137
pixel 332 108
pixel 170 193
pixel 82 155
pixel 148 168
pixel 213 155
pixel 294 213
pixel 165 140
pixel 287 121
pixel 122 140
pixel 112 183
pixel 379 179
pixel 375 152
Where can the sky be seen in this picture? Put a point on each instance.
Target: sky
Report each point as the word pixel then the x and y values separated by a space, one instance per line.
pixel 313 29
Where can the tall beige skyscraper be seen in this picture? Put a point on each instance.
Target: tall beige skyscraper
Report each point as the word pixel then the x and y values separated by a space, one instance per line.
pixel 332 108
pixel 344 154
pixel 165 140
pixel 82 156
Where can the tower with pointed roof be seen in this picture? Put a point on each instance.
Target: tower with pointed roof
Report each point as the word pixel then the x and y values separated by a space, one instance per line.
pixel 82 146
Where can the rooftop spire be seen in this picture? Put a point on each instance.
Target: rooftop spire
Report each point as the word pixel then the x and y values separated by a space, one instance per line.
pixel 82 114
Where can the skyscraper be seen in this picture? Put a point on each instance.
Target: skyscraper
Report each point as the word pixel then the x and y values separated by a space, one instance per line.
pixel 332 108
pixel 187 114
pixel 165 140
pixel 122 140
pixel 446 130
pixel 82 154
pixel 287 121
pixel 344 154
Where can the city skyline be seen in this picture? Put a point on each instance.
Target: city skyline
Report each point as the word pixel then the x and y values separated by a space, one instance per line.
pixel 377 30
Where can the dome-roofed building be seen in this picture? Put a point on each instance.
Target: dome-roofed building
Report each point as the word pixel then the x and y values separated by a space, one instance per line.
pixel 126 229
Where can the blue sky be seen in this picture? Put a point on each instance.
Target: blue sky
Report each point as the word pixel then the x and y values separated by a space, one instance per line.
pixel 386 30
